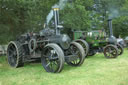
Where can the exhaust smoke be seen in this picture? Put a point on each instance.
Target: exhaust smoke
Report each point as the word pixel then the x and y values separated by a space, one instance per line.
pixel 59 5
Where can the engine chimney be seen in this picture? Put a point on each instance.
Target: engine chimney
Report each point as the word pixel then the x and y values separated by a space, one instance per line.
pixel 110 27
pixel 56 17
pixel 112 39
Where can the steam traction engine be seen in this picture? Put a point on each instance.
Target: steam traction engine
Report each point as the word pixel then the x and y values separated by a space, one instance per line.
pixel 52 47
pixel 97 41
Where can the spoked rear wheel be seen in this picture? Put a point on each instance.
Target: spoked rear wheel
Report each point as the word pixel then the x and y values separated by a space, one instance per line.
pixel 77 50
pixel 111 51
pixel 52 58
pixel 15 54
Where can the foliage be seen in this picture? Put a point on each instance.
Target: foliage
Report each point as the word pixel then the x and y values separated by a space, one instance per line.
pixel 120 23
pixel 80 15
pixel 116 10
pixel 76 17
pixel 20 16
pixel 120 26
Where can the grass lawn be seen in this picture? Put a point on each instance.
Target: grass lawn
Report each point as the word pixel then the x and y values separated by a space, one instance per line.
pixel 96 70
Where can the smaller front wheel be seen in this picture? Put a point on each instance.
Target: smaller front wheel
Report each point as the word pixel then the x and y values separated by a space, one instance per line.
pixel 120 49
pixel 110 51
pixel 52 58
pixel 84 44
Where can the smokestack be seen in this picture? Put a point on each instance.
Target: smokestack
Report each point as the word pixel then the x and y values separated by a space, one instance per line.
pixel 56 17
pixel 110 27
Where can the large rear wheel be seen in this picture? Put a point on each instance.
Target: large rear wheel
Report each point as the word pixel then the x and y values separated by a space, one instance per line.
pixel 77 50
pixel 15 54
pixel 52 58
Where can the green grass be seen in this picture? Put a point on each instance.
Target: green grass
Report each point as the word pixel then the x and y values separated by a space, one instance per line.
pixel 96 70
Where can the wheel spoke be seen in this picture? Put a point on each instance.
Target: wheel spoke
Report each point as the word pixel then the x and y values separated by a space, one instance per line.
pixel 10 51
pixel 55 63
pixel 12 61
pixel 77 52
pixel 48 64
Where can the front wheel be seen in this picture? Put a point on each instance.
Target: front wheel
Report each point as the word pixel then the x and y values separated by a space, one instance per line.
pixel 52 58
pixel 77 50
pixel 110 51
pixel 120 49
pixel 84 45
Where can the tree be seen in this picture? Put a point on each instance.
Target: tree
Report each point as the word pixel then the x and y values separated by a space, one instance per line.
pixel 120 24
pixel 20 16
pixel 76 15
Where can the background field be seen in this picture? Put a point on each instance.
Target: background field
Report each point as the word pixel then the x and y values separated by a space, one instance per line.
pixel 96 70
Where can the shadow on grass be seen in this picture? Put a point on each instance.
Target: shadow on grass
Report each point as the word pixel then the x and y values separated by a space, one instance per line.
pixel 99 56
pixel 69 68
